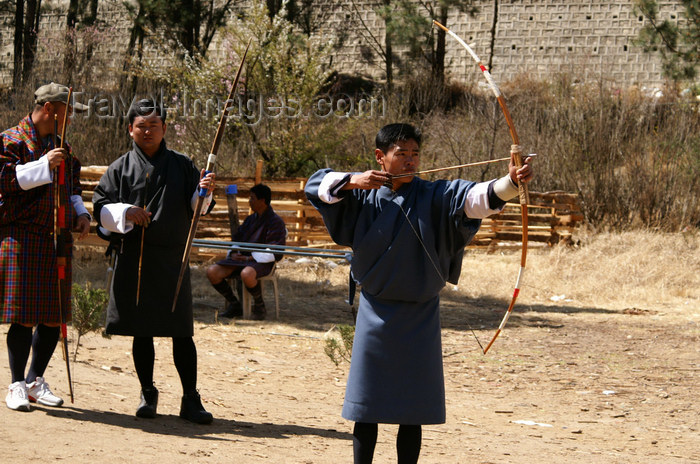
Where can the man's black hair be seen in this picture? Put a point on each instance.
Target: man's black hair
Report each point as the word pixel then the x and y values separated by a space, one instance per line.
pixel 146 107
pixel 392 133
pixel 263 192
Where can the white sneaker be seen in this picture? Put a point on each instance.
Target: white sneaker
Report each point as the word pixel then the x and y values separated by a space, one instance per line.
pixel 17 396
pixel 39 392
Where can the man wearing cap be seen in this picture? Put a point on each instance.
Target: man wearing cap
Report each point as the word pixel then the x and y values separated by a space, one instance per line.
pixel 29 294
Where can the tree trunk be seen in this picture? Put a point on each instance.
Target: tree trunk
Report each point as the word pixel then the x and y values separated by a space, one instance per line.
pixel 188 25
pixel 388 50
pixel 135 37
pixel 19 29
pixel 90 21
pixel 31 31
pixel 492 45
pixel 69 54
pixel 72 15
pixel 439 59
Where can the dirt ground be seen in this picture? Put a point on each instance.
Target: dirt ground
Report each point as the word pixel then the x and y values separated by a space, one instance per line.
pixel 568 380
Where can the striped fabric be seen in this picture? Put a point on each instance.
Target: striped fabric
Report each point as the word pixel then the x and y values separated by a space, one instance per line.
pixel 28 274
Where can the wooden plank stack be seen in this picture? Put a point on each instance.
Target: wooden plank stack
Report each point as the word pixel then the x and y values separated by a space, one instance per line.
pixel 553 216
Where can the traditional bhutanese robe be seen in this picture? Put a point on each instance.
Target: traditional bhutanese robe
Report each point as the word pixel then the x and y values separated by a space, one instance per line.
pixel 167 194
pixel 396 373
pixel 28 273
pixel 266 228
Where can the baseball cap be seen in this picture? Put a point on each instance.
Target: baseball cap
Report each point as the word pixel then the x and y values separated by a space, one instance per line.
pixel 54 92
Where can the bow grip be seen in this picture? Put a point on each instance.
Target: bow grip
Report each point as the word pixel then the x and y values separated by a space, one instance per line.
pixel 210 167
pixel 516 154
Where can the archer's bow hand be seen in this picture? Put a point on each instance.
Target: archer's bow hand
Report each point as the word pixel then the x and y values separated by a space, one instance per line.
pixel 524 174
pixel 207 182
pixel 56 156
pixel 368 180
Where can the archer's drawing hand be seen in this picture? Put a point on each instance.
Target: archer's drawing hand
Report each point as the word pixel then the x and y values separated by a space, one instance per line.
pixel 525 174
pixel 138 216
pixel 207 182
pixel 368 180
pixel 55 157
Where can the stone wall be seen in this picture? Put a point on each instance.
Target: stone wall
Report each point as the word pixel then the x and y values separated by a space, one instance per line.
pixel 590 39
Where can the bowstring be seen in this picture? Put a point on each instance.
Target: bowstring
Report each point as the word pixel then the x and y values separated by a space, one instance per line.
pixel 425 249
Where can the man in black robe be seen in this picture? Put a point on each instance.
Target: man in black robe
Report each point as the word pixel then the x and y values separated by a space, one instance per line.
pixel 145 203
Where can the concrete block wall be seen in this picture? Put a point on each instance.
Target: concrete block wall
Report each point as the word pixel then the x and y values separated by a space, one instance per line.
pixel 590 39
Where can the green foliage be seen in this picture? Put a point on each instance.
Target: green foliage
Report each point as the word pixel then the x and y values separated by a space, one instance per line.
pixel 339 350
pixel 272 116
pixel 88 310
pixel 678 42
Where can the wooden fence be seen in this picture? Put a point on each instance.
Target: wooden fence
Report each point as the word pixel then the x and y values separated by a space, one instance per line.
pixel 552 216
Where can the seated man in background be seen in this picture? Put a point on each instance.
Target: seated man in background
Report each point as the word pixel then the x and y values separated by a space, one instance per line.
pixel 263 226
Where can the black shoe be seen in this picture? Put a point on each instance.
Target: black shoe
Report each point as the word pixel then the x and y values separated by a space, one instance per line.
pixel 191 409
pixel 233 309
pixel 149 403
pixel 259 312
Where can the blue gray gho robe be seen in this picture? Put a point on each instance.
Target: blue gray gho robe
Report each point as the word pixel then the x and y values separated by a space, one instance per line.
pixel 396 373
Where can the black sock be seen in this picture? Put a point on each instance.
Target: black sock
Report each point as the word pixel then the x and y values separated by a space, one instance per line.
pixel 256 293
pixel 225 289
pixel 43 344
pixel 408 442
pixel 364 439
pixel 19 342
pixel 144 358
pixel 185 359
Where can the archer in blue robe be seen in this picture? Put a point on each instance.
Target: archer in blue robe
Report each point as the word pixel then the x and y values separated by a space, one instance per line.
pixel 407 243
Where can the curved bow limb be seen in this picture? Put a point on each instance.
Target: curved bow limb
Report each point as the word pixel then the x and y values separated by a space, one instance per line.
pixel 516 156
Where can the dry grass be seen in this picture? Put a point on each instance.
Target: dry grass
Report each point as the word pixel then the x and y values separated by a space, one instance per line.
pixel 644 270
pixel 609 270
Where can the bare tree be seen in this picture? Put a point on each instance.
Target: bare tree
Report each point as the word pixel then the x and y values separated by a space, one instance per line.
pixel 30 34
pixel 18 42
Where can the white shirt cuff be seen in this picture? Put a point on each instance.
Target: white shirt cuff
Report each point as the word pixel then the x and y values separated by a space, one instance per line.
pixel 205 203
pixel 34 174
pixel 330 181
pixel 476 206
pixel 262 257
pixel 505 189
pixel 113 218
pixel 79 206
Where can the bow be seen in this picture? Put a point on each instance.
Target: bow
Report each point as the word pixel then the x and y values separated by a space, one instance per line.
pixel 143 238
pixel 61 233
pixel 516 156
pixel 210 167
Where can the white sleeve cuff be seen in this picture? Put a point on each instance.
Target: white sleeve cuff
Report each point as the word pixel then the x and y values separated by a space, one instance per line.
pixel 330 181
pixel 476 206
pixel 205 203
pixel 261 257
pixel 79 206
pixel 505 189
pixel 113 218
pixel 34 174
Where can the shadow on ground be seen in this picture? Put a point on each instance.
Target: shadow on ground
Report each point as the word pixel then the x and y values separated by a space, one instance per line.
pixel 220 429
